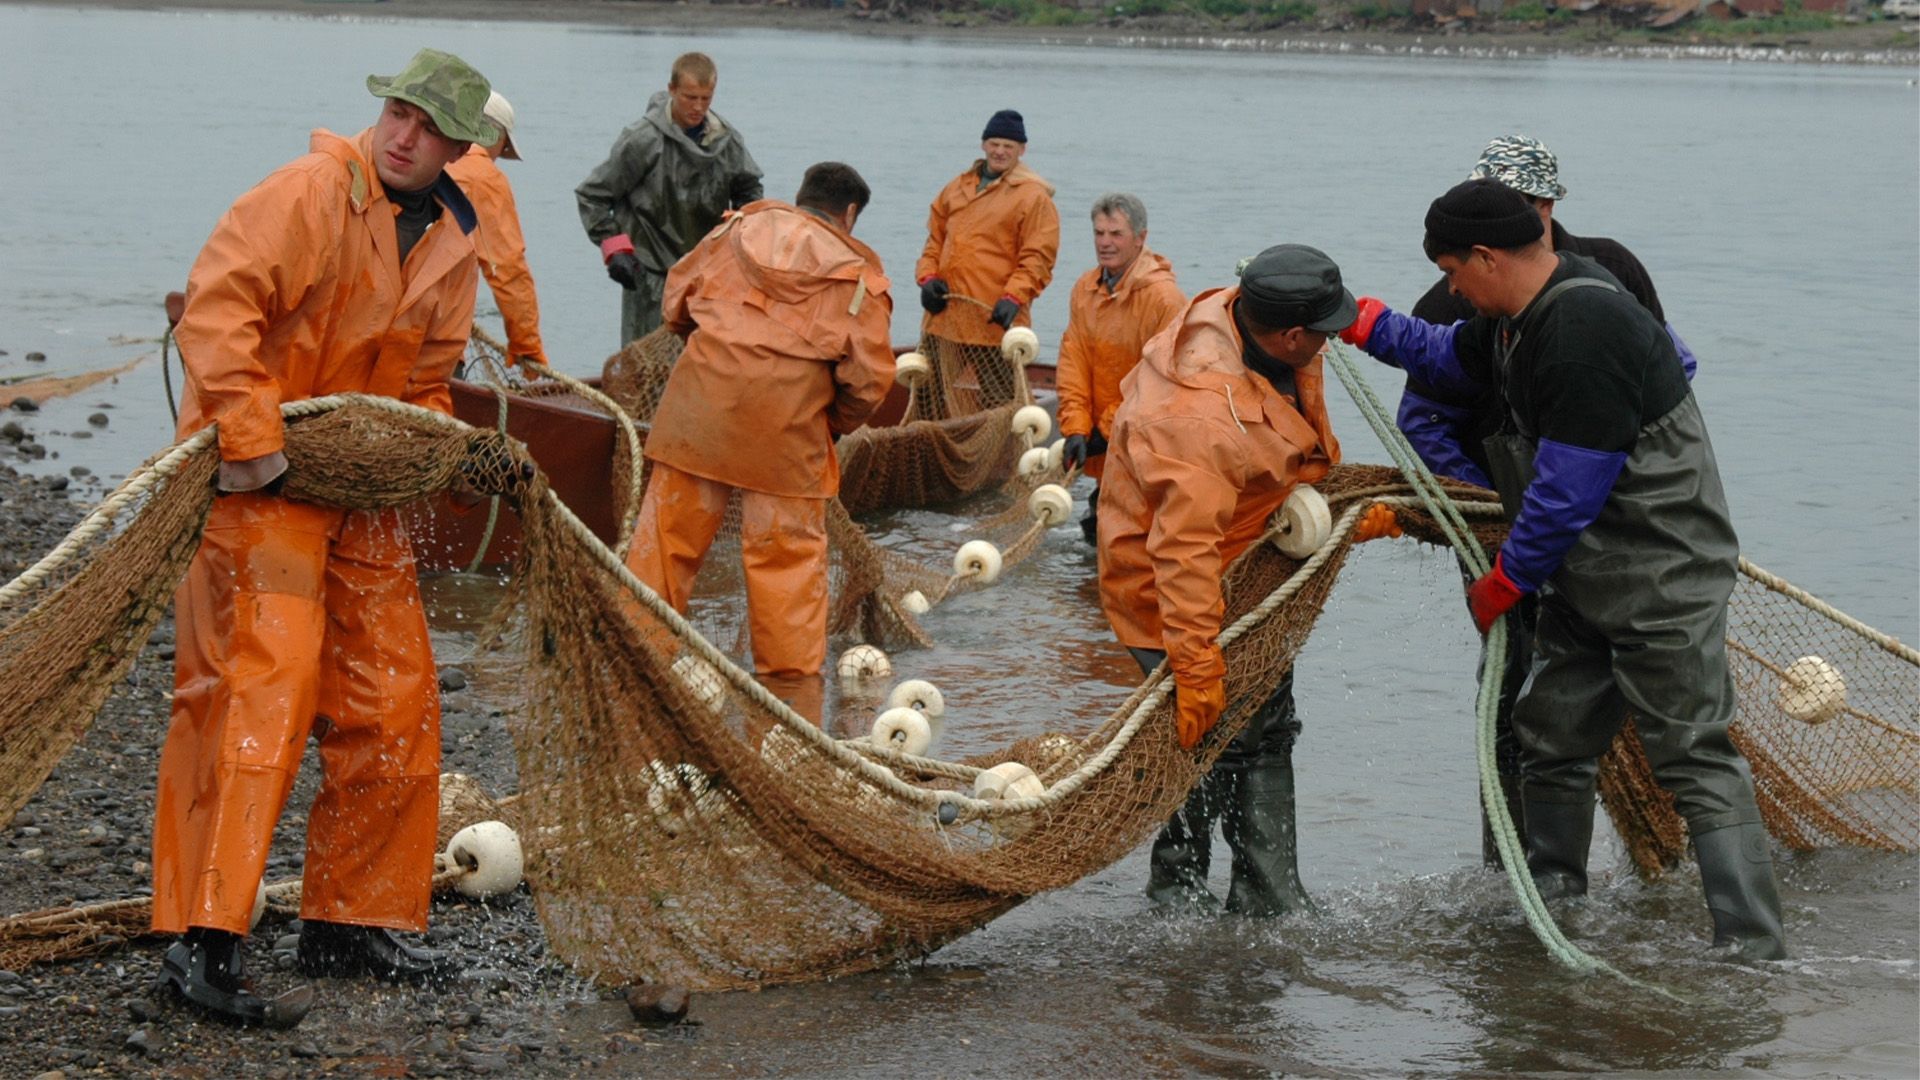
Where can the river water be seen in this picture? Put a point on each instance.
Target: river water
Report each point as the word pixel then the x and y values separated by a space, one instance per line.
pixel 1777 209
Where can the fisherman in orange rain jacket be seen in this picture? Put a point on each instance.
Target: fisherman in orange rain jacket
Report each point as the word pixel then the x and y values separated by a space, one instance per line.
pixel 347 270
pixel 1115 308
pixel 1223 415
pixel 786 318
pixel 498 241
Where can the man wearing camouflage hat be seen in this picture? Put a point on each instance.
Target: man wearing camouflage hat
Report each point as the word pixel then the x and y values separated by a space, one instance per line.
pixel 348 270
pixel 1447 427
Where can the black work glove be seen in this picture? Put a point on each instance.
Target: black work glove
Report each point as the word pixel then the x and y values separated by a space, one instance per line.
pixel 1005 312
pixel 1097 442
pixel 1073 452
pixel 933 295
pixel 625 269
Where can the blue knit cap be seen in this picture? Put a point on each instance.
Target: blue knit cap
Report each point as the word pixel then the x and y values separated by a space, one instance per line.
pixel 1006 124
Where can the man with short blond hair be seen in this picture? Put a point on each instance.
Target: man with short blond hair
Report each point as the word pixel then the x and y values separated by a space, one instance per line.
pixel 670 177
pixel 1128 297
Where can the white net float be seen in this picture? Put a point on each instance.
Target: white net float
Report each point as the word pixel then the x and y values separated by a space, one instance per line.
pixel 915 601
pixel 1812 691
pixel 1009 780
pixel 978 559
pixel 911 369
pixel 1035 461
pixel 1056 453
pixel 1050 504
pixel 904 729
pixel 782 749
pixel 864 662
pixel 1305 523
pixel 1032 423
pixel 259 905
pixel 677 794
pixel 489 852
pixel 1020 345
pixel 918 694
pixel 701 681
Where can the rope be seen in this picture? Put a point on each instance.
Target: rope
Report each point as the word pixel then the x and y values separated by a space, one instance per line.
pixel 493 503
pixel 1795 593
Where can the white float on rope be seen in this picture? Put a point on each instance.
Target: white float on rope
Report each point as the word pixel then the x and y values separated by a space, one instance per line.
pixel 1035 461
pixel 1812 691
pixel 1050 504
pixel 1032 422
pixel 1056 453
pixel 489 852
pixel 911 370
pixel 1020 345
pixel 918 694
pixel 864 662
pixel 704 683
pixel 1305 523
pixel 916 602
pixel 904 729
pixel 978 559
pixel 1008 780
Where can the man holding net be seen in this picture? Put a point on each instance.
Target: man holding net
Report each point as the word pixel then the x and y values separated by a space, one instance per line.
pixel 992 237
pixel 786 318
pixel 1223 415
pixel 1619 525
pixel 1114 309
pixel 348 270
pixel 668 180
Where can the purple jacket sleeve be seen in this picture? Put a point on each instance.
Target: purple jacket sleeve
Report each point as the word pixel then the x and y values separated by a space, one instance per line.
pixel 1570 485
pixel 1687 359
pixel 1435 430
pixel 1423 349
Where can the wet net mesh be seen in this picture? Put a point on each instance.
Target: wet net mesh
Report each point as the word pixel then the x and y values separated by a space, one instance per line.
pixel 684 825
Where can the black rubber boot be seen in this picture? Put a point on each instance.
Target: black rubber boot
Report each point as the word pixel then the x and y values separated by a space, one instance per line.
pixel 1516 807
pixel 343 950
pixel 1558 836
pixel 1736 870
pixel 1261 833
pixel 1183 852
pixel 205 969
pixel 1090 525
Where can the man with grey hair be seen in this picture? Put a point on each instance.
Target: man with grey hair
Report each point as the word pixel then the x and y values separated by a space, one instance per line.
pixel 1128 297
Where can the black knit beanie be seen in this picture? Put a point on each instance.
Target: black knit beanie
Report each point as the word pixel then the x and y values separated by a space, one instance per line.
pixel 1006 124
pixel 1481 213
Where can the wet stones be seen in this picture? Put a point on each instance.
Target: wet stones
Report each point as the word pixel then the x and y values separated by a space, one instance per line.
pixel 24 404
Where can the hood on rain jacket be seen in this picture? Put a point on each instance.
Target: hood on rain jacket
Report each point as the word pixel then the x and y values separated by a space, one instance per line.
pixel 662 189
pixel 988 244
pixel 300 293
pixel 786 317
pixel 1105 334
pixel 1202 453
pixel 502 250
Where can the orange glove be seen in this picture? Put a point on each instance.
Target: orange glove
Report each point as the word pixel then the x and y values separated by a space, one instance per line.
pixel 1377 522
pixel 1197 709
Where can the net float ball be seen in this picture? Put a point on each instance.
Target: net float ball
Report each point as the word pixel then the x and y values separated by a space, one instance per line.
pixel 864 662
pixel 1032 423
pixel 911 370
pixel 259 905
pixel 1020 345
pixel 916 602
pixel 702 682
pixel 1008 780
pixel 1812 691
pixel 1305 523
pixel 489 852
pixel 1034 461
pixel 903 729
pixel 1056 453
pixel 918 694
pixel 977 559
pixel 1050 504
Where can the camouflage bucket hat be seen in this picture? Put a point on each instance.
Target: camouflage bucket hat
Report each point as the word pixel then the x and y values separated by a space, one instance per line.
pixel 449 90
pixel 1523 164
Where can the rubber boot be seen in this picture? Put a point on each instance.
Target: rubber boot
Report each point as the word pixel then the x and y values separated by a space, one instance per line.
pixel 1558 836
pixel 205 969
pixel 1183 852
pixel 1516 808
pixel 1260 830
pixel 1736 870
pixel 344 950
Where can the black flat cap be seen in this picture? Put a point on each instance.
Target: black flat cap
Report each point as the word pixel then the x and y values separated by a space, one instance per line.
pixel 1291 285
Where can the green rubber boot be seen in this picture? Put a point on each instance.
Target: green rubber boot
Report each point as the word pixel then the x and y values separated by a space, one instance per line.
pixel 1558 836
pixel 1183 852
pixel 1736 870
pixel 1260 831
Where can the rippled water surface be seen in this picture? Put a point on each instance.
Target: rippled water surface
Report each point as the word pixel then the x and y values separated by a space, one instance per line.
pixel 1777 209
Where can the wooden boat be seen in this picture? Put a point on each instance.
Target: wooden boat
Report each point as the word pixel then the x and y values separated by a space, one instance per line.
pixel 574 441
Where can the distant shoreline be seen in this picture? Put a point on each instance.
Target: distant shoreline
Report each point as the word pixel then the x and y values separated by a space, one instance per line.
pixel 1869 44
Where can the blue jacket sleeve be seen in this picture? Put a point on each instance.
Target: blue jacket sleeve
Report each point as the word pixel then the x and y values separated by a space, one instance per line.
pixel 1570 485
pixel 1435 430
pixel 1687 359
pixel 1422 349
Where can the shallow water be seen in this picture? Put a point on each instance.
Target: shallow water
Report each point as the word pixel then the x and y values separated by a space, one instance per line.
pixel 1778 211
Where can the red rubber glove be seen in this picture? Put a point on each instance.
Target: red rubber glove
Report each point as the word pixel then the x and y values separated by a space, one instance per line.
pixel 1492 596
pixel 1362 328
pixel 1196 710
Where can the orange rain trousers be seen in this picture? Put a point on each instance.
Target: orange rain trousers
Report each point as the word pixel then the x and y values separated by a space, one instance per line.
pixel 1106 333
pixel 293 613
pixel 783 546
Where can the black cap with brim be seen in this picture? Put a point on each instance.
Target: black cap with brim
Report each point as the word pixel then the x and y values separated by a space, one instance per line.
pixel 1292 285
pixel 448 88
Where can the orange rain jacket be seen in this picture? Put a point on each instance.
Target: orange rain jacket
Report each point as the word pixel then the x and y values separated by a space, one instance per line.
pixel 291 610
pixel 988 244
pixel 502 250
pixel 787 320
pixel 1105 333
pixel 1202 453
